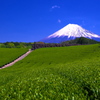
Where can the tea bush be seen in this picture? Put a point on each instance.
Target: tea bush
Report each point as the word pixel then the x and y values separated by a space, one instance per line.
pixel 7 55
pixel 62 73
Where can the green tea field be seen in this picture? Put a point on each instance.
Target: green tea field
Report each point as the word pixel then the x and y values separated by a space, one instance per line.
pixel 9 54
pixel 56 73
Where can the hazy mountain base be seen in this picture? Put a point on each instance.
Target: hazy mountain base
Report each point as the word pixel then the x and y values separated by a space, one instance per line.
pixel 56 39
pixel 63 39
pixel 65 73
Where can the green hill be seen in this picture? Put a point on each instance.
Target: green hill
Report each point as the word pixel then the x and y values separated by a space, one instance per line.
pixel 81 40
pixel 59 73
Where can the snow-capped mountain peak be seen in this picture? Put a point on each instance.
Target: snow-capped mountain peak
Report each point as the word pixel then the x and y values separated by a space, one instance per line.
pixel 73 30
pixel 70 32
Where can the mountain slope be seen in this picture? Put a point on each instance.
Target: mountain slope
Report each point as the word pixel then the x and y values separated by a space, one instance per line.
pixel 70 32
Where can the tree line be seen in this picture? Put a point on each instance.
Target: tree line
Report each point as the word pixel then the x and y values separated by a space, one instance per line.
pixel 77 41
pixel 16 45
pixel 38 45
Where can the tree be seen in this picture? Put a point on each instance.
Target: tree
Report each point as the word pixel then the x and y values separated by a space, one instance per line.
pixel 10 45
pixel 2 45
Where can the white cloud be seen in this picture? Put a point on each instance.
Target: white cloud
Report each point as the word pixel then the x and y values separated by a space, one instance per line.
pixel 55 6
pixel 93 26
pixel 59 21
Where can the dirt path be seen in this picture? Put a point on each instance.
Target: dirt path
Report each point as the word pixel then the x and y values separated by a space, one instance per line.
pixel 18 59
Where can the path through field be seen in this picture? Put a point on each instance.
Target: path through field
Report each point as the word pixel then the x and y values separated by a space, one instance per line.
pixel 18 59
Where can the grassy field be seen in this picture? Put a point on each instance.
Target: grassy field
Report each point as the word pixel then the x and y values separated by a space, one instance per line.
pixel 62 73
pixel 9 54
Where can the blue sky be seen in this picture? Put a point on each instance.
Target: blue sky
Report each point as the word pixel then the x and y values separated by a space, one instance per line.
pixel 33 20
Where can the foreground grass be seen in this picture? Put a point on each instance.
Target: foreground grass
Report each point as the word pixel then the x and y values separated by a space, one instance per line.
pixel 7 55
pixel 65 73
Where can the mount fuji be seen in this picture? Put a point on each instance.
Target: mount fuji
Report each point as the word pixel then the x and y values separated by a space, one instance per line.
pixel 70 32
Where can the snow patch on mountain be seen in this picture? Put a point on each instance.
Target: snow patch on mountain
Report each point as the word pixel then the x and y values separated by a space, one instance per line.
pixel 73 30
